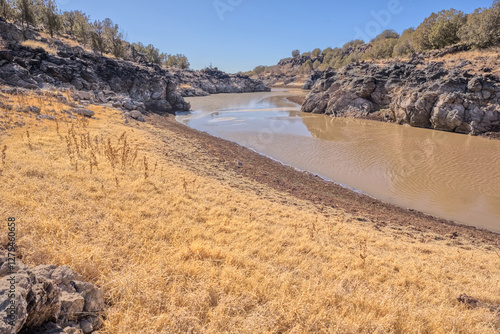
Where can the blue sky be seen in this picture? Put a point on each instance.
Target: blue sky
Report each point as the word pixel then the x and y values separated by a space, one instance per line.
pixel 237 35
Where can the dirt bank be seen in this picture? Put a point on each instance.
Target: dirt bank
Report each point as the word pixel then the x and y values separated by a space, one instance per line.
pixel 304 185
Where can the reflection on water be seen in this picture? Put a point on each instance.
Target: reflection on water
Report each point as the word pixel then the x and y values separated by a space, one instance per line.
pixel 444 174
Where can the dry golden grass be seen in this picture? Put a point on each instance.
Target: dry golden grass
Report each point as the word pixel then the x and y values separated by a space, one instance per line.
pixel 177 251
pixel 35 44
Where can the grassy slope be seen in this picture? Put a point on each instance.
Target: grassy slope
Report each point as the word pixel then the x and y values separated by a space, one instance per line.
pixel 179 251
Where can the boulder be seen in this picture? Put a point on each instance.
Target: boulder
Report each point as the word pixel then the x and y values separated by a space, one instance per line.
pixel 48 299
pixel 430 96
pixel 48 117
pixel 82 111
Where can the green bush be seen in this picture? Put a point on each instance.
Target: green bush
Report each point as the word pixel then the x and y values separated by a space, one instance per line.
pixel 353 44
pixel 439 30
pixel 316 52
pixel 482 28
pixel 382 48
pixel 386 34
pixel 404 45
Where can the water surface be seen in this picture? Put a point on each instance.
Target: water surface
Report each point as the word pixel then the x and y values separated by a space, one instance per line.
pixel 453 176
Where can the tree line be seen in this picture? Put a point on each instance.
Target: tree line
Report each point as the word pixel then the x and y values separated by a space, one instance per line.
pixel 102 36
pixel 480 29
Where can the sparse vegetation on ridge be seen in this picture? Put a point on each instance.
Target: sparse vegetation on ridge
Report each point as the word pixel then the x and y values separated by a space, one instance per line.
pixel 105 36
pixel 480 29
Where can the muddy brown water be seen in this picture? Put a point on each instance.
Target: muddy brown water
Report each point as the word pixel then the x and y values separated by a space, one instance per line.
pixel 452 176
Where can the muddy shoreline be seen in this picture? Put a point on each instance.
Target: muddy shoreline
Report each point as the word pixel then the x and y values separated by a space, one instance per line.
pixel 307 186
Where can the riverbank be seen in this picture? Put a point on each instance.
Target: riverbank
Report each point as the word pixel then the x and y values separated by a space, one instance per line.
pixel 312 188
pixel 185 232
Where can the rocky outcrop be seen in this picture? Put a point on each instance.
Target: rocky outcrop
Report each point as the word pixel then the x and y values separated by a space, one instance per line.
pixel 130 85
pixel 429 96
pixel 103 79
pixel 47 299
pixel 213 81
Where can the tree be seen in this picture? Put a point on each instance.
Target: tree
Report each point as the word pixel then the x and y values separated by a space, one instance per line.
pixel 295 53
pixel 482 28
pixel 386 34
pixel 404 45
pixel 177 61
pixel 26 12
pixel 444 32
pixel 316 64
pixel 97 37
pixel 381 49
pixel 69 20
pixel 353 44
pixel 50 17
pixel 113 38
pixel 307 67
pixel 82 28
pixel 316 52
pixel 152 54
pixel 6 9
pixel 259 70
pixel 438 30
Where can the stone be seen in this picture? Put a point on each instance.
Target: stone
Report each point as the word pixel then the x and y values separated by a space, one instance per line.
pixel 475 85
pixel 48 117
pixel 82 95
pixel 49 298
pixel 101 98
pixel 6 55
pixel 486 94
pixel 135 114
pixel 128 105
pixel 83 111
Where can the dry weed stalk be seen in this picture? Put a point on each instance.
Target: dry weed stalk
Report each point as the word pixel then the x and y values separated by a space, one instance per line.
pixel 363 250
pixel 29 139
pixel 4 155
pixel 146 168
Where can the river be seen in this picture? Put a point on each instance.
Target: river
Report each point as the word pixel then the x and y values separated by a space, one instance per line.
pixel 448 175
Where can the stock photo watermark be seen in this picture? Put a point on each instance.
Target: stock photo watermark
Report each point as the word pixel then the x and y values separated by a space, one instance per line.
pixel 224 6
pixel 267 134
pixel 381 20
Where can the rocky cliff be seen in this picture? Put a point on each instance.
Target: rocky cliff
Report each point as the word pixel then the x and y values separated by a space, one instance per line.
pixel 428 95
pixel 213 81
pixel 128 84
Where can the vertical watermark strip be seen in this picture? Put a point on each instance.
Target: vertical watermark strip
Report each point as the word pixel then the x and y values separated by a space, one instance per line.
pixel 11 261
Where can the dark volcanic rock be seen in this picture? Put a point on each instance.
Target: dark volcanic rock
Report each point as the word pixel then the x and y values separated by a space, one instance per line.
pixel 427 96
pixel 211 81
pixel 90 74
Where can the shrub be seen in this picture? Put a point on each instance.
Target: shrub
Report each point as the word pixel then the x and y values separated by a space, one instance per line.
pixel 404 45
pixel 353 44
pixel 382 48
pixel 386 34
pixel 316 52
pixel 482 28
pixel 439 30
